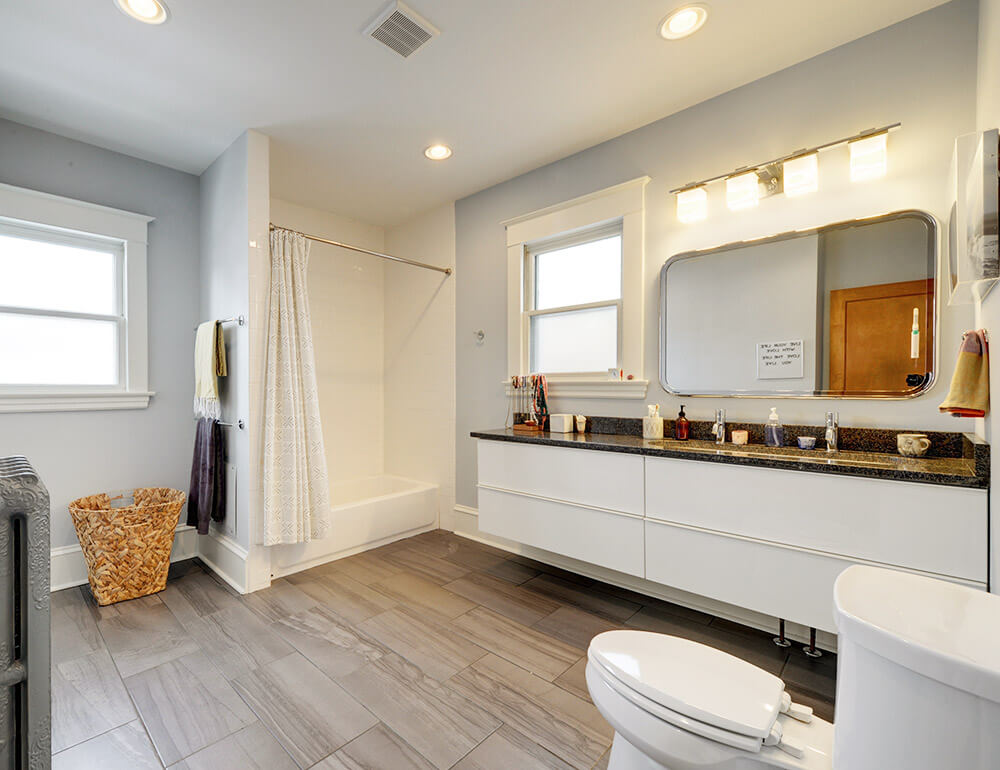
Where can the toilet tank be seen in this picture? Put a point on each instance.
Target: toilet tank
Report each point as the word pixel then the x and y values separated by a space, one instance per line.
pixel 918 679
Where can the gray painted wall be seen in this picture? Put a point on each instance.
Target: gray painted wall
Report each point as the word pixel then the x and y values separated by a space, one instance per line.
pixel 79 453
pixel 921 72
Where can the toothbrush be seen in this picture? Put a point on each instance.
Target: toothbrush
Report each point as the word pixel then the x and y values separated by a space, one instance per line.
pixel 915 334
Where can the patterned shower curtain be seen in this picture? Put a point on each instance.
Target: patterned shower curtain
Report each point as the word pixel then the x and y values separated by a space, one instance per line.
pixel 296 487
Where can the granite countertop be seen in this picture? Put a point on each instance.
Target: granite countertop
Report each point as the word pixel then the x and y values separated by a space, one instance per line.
pixel 967 471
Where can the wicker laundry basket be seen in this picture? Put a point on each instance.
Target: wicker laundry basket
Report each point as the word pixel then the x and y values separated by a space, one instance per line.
pixel 126 537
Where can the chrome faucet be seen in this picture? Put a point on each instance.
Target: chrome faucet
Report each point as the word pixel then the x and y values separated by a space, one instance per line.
pixel 719 428
pixel 832 431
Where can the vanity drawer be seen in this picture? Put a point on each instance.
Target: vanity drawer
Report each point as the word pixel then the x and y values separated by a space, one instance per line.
pixel 601 537
pixel 791 583
pixel 596 479
pixel 936 529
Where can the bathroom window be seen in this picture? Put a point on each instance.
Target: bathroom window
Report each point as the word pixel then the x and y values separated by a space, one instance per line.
pixel 72 305
pixel 574 293
pixel 573 299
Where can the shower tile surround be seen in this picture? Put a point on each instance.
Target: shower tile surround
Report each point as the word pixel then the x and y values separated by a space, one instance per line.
pixel 496 679
pixel 954 458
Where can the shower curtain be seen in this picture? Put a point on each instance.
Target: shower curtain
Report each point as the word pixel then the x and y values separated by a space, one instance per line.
pixel 296 487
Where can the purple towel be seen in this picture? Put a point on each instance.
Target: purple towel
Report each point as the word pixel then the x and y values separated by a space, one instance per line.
pixel 207 499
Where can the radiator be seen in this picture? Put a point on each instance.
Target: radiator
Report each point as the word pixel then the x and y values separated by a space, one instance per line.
pixel 25 711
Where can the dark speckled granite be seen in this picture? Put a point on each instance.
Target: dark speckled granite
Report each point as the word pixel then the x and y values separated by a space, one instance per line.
pixel 965 464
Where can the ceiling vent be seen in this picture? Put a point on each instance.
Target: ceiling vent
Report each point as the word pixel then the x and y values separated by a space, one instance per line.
pixel 402 29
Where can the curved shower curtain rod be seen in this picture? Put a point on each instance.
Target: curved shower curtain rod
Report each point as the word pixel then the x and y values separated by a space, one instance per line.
pixel 445 270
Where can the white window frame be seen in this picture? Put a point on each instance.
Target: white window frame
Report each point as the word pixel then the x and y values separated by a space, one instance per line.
pixel 591 213
pixel 80 221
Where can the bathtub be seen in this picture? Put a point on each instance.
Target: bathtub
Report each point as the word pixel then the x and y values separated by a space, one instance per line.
pixel 366 513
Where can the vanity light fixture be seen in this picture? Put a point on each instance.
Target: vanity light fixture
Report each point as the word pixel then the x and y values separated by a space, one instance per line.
pixel 692 205
pixel 801 174
pixel 683 21
pixel 742 191
pixel 146 11
pixel 869 157
pixel 794 174
pixel 438 152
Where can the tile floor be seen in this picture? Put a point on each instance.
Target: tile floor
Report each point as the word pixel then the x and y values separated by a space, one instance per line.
pixel 432 652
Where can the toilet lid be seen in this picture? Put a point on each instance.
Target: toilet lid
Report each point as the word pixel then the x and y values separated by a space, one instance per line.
pixel 692 679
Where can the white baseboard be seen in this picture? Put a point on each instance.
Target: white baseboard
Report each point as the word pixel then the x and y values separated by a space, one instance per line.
pixel 67 567
pixel 746 617
pixel 226 558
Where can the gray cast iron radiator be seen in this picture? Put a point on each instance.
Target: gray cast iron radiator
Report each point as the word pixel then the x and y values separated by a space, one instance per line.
pixel 25 715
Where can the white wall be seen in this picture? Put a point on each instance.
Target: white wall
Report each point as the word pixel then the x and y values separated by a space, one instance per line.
pixel 920 72
pixel 420 355
pixel 80 453
pixel 346 298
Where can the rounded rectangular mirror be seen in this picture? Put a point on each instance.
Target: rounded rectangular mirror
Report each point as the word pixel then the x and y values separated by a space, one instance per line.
pixel 846 310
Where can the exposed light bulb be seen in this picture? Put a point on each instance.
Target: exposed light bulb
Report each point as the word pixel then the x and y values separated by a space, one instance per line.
pixel 438 152
pixel 692 205
pixel 801 175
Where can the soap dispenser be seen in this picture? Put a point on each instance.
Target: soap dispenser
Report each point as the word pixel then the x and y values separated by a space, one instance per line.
pixel 652 423
pixel 682 427
pixel 774 434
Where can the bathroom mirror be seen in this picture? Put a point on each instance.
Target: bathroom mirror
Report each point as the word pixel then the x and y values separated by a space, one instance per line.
pixel 846 310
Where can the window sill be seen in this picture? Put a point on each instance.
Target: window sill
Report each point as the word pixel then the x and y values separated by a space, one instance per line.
pixel 80 401
pixel 575 387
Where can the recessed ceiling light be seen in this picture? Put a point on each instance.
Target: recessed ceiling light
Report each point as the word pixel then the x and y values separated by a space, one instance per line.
pixel 146 11
pixel 684 21
pixel 438 152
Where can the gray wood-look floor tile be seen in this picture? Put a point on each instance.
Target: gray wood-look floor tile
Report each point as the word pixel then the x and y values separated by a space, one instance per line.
pixel 585 597
pixel 435 720
pixel 145 636
pixel 434 648
pixel 363 567
pixel 252 748
pixel 237 640
pixel 567 726
pixel 88 698
pixel 329 641
pixel 815 675
pixel 283 599
pixel 574 679
pixel 186 705
pixel 532 650
pixel 309 714
pixel 124 748
pixel 378 748
pixel 74 626
pixel 120 609
pixel 752 648
pixel 512 572
pixel 349 598
pixel 415 561
pixel 506 749
pixel 574 626
pixel 424 595
pixel 198 594
pixel 512 601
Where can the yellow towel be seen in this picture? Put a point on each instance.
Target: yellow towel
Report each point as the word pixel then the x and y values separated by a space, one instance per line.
pixel 969 395
pixel 209 365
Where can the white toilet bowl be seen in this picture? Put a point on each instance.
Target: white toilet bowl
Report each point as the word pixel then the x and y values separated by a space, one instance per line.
pixel 678 705
pixel 918 688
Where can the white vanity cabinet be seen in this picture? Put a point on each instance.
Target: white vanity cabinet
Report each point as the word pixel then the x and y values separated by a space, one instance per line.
pixel 769 540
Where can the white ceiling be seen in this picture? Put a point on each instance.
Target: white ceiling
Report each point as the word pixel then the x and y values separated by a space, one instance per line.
pixel 509 84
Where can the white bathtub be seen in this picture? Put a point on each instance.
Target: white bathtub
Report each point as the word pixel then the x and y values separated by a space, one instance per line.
pixel 366 512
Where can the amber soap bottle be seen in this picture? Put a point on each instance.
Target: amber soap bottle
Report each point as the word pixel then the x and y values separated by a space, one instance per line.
pixel 681 427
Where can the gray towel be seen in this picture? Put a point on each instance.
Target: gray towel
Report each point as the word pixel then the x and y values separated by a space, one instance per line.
pixel 207 499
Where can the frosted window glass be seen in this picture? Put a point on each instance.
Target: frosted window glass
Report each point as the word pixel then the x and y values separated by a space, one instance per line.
pixel 57 276
pixel 575 341
pixel 40 350
pixel 580 274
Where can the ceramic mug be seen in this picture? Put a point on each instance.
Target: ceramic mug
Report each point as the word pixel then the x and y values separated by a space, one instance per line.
pixel 913 444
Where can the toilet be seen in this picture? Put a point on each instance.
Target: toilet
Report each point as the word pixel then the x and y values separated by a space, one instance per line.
pixel 918 688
